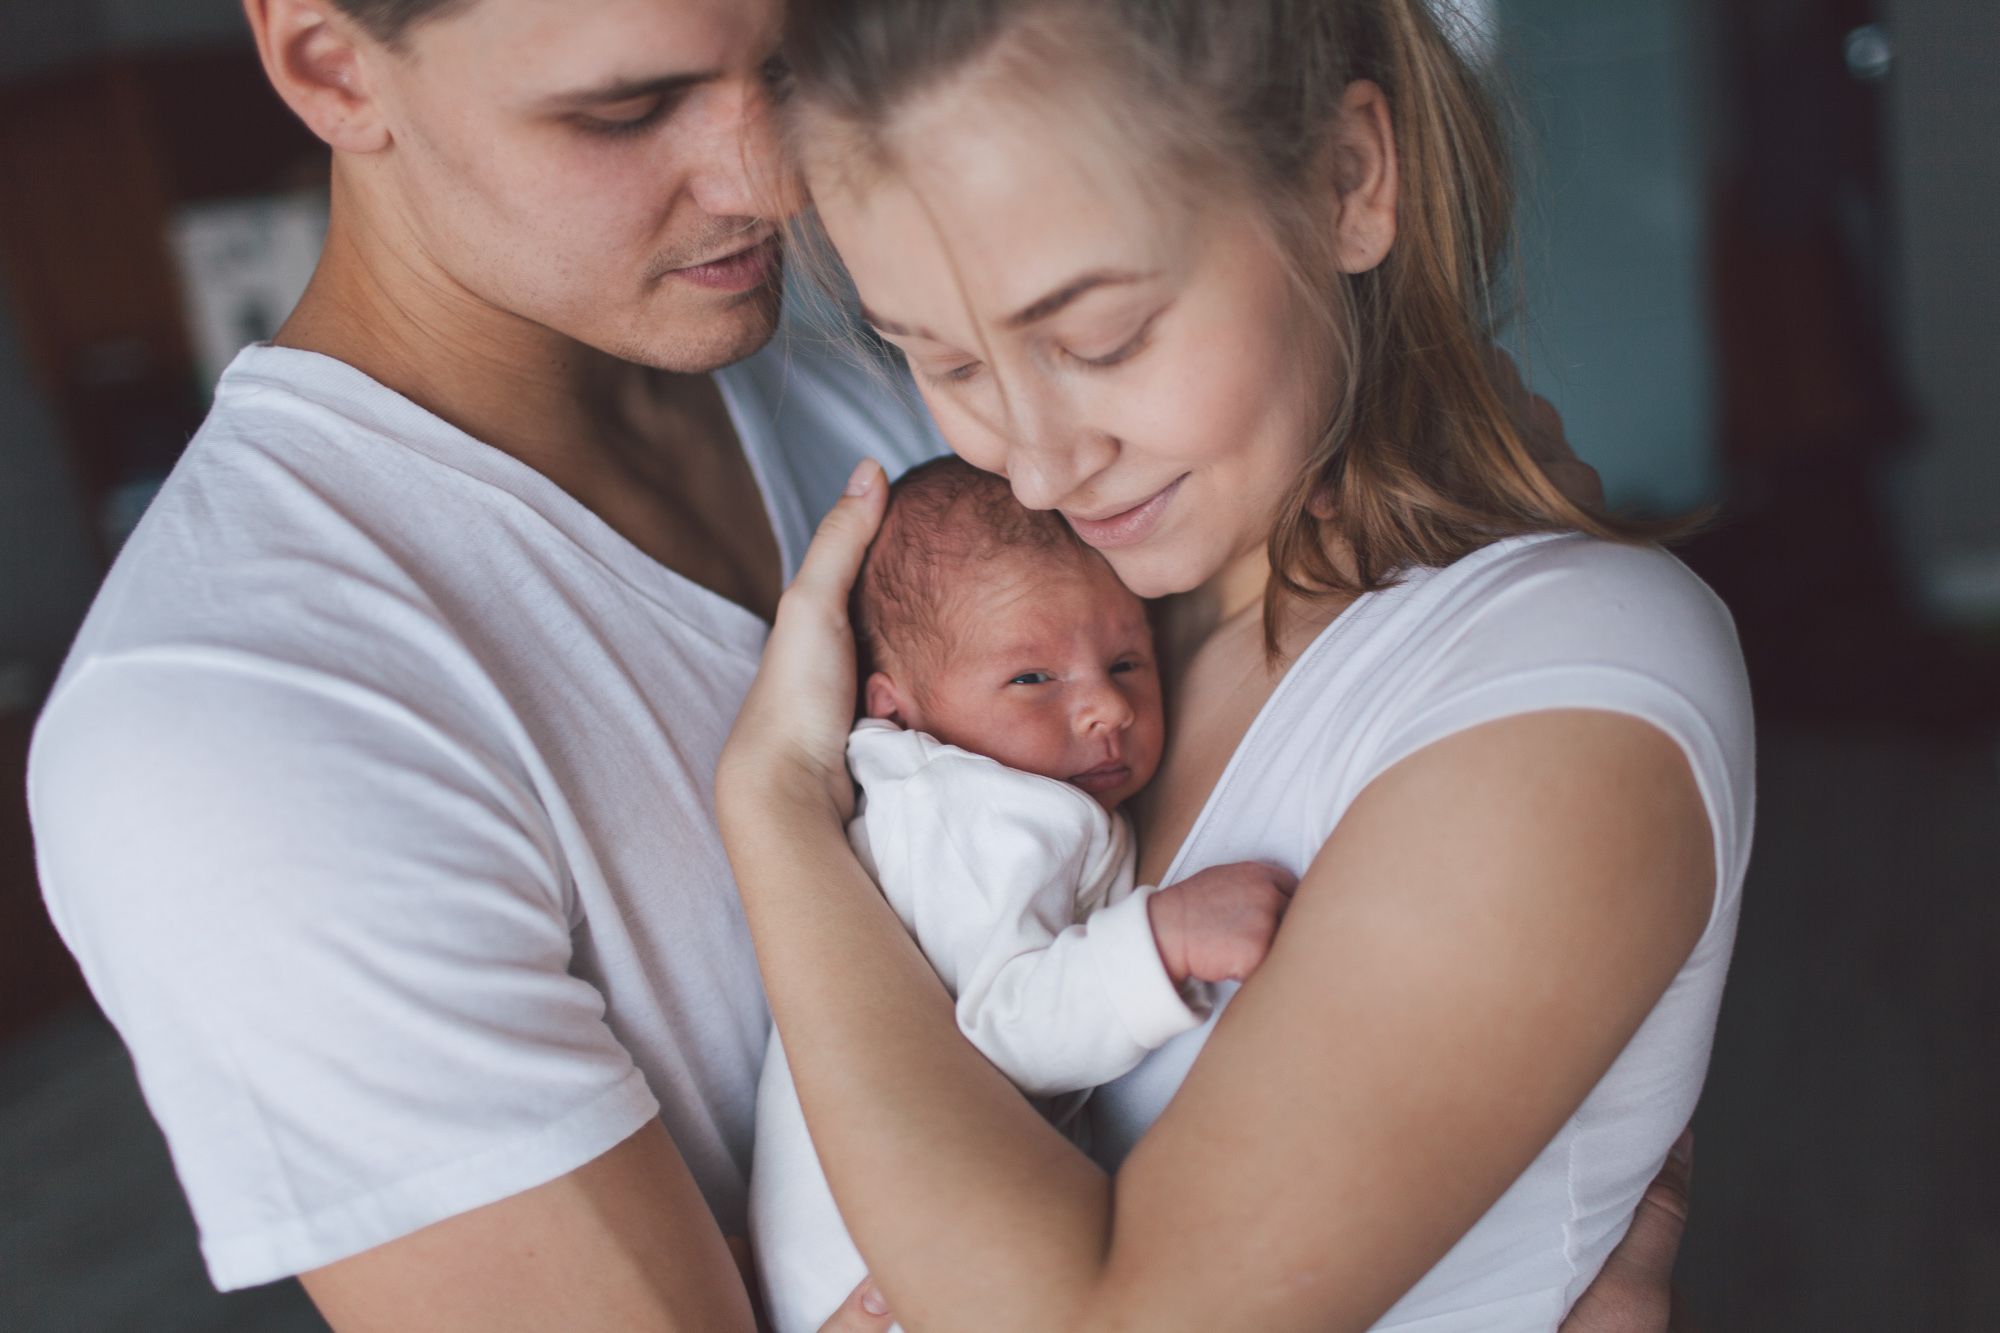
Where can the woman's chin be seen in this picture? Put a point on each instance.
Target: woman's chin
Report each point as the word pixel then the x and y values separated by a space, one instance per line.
pixel 1152 574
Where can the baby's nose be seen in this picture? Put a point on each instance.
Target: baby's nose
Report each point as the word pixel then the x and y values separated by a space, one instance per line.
pixel 1105 708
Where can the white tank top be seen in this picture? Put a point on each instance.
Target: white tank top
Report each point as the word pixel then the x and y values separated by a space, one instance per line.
pixel 1524 625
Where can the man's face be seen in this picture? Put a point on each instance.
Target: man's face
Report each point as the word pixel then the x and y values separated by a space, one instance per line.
pixel 603 168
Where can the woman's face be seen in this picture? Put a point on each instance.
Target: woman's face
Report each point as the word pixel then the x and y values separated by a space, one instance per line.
pixel 1141 366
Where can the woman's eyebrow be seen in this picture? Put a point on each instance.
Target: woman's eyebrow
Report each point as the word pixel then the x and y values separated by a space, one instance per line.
pixel 1033 313
pixel 1036 311
pixel 627 90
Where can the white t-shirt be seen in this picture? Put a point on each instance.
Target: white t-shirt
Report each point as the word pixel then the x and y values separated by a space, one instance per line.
pixel 1019 889
pixel 375 799
pixel 1525 625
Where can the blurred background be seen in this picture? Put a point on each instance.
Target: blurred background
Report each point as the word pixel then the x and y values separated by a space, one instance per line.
pixel 1761 274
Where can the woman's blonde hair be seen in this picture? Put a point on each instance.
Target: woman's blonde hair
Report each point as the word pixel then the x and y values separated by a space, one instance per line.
pixel 1423 457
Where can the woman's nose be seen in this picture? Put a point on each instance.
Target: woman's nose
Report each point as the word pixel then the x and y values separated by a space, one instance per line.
pixel 1052 451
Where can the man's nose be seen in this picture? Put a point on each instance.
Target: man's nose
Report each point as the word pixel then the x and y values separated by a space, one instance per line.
pixel 741 171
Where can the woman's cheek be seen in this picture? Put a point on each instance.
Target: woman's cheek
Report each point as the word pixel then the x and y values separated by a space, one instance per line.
pixel 968 436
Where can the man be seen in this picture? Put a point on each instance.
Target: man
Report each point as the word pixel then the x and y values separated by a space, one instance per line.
pixel 374 797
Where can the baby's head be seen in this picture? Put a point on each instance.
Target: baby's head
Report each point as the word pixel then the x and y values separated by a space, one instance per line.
pixel 993 628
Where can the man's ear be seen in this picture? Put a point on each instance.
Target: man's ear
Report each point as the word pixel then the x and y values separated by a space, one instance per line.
pixel 1365 178
pixel 314 56
pixel 889 701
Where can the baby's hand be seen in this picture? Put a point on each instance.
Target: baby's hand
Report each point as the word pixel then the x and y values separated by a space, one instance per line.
pixel 1217 924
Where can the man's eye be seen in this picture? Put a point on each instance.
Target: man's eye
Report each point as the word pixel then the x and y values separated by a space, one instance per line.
pixel 777 75
pixel 1032 678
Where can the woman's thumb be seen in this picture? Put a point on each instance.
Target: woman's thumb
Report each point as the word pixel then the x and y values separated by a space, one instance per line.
pixel 864 1311
pixel 834 558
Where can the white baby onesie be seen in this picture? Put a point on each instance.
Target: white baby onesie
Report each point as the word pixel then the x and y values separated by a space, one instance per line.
pixel 1019 890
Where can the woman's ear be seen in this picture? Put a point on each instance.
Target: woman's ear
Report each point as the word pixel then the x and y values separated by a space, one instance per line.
pixel 316 58
pixel 888 700
pixel 1365 180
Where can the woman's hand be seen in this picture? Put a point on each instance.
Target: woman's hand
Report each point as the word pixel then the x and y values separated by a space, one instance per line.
pixel 788 750
pixel 864 1310
pixel 1634 1291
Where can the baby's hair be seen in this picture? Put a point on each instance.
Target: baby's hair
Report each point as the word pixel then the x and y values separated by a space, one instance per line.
pixel 944 516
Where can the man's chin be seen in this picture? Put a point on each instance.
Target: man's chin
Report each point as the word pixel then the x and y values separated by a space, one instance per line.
pixel 704 335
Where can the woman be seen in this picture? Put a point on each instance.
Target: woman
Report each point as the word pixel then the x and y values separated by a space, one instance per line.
pixel 1210 277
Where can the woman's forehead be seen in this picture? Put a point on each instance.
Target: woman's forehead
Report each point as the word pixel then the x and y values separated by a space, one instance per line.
pixel 988 207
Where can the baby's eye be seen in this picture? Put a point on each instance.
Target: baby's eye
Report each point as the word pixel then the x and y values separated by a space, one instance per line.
pixel 1032 678
pixel 1125 665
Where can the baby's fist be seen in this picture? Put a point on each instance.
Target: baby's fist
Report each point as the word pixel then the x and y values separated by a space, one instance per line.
pixel 1217 924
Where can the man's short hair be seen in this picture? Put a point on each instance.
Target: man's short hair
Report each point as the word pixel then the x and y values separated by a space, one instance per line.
pixel 389 21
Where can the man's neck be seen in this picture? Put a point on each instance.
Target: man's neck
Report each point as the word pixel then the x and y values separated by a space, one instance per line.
pixel 652 453
pixel 509 383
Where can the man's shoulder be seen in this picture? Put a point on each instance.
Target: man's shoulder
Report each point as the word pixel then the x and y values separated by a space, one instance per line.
pixel 292 531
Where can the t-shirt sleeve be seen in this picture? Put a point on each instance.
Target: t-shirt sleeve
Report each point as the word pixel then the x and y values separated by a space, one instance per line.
pixel 335 935
pixel 1589 625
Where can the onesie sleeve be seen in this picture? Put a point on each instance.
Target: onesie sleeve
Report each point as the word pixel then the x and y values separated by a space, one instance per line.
pixel 987 867
pixel 336 940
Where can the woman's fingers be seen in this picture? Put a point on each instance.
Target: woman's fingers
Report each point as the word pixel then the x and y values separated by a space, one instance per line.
pixel 864 1311
pixel 796 717
pixel 1633 1292
pixel 834 558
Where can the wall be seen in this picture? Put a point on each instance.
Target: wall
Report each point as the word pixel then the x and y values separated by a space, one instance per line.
pixel 47 568
pixel 1944 112
pixel 1614 200
pixel 35 34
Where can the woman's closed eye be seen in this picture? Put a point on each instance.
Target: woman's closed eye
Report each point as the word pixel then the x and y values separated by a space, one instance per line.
pixel 1124 351
pixel 618 119
pixel 955 374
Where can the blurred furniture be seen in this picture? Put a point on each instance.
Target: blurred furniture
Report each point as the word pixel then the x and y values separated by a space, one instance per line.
pixel 97 158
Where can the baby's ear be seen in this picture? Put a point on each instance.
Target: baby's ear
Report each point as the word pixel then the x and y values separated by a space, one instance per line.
pixel 885 699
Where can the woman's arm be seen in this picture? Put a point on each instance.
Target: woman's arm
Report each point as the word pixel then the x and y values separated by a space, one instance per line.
pixel 1470 951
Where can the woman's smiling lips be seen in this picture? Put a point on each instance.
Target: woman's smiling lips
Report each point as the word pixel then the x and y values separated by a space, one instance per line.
pixel 1126 527
pixel 1103 778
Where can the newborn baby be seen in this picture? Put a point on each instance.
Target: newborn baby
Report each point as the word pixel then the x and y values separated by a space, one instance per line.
pixel 1013 705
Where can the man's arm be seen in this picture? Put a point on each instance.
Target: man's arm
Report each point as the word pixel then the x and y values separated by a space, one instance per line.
pixel 624 1242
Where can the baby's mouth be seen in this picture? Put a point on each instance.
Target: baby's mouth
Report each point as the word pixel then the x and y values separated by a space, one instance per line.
pixel 1104 777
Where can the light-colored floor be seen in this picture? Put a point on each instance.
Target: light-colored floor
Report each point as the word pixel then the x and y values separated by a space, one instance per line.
pixel 1845 1175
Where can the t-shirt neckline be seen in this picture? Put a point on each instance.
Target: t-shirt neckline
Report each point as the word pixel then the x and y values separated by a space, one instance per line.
pixel 345 388
pixel 1367 604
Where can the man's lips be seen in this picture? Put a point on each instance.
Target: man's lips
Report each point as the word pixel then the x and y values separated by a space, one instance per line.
pixel 1126 527
pixel 736 271
pixel 1103 778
